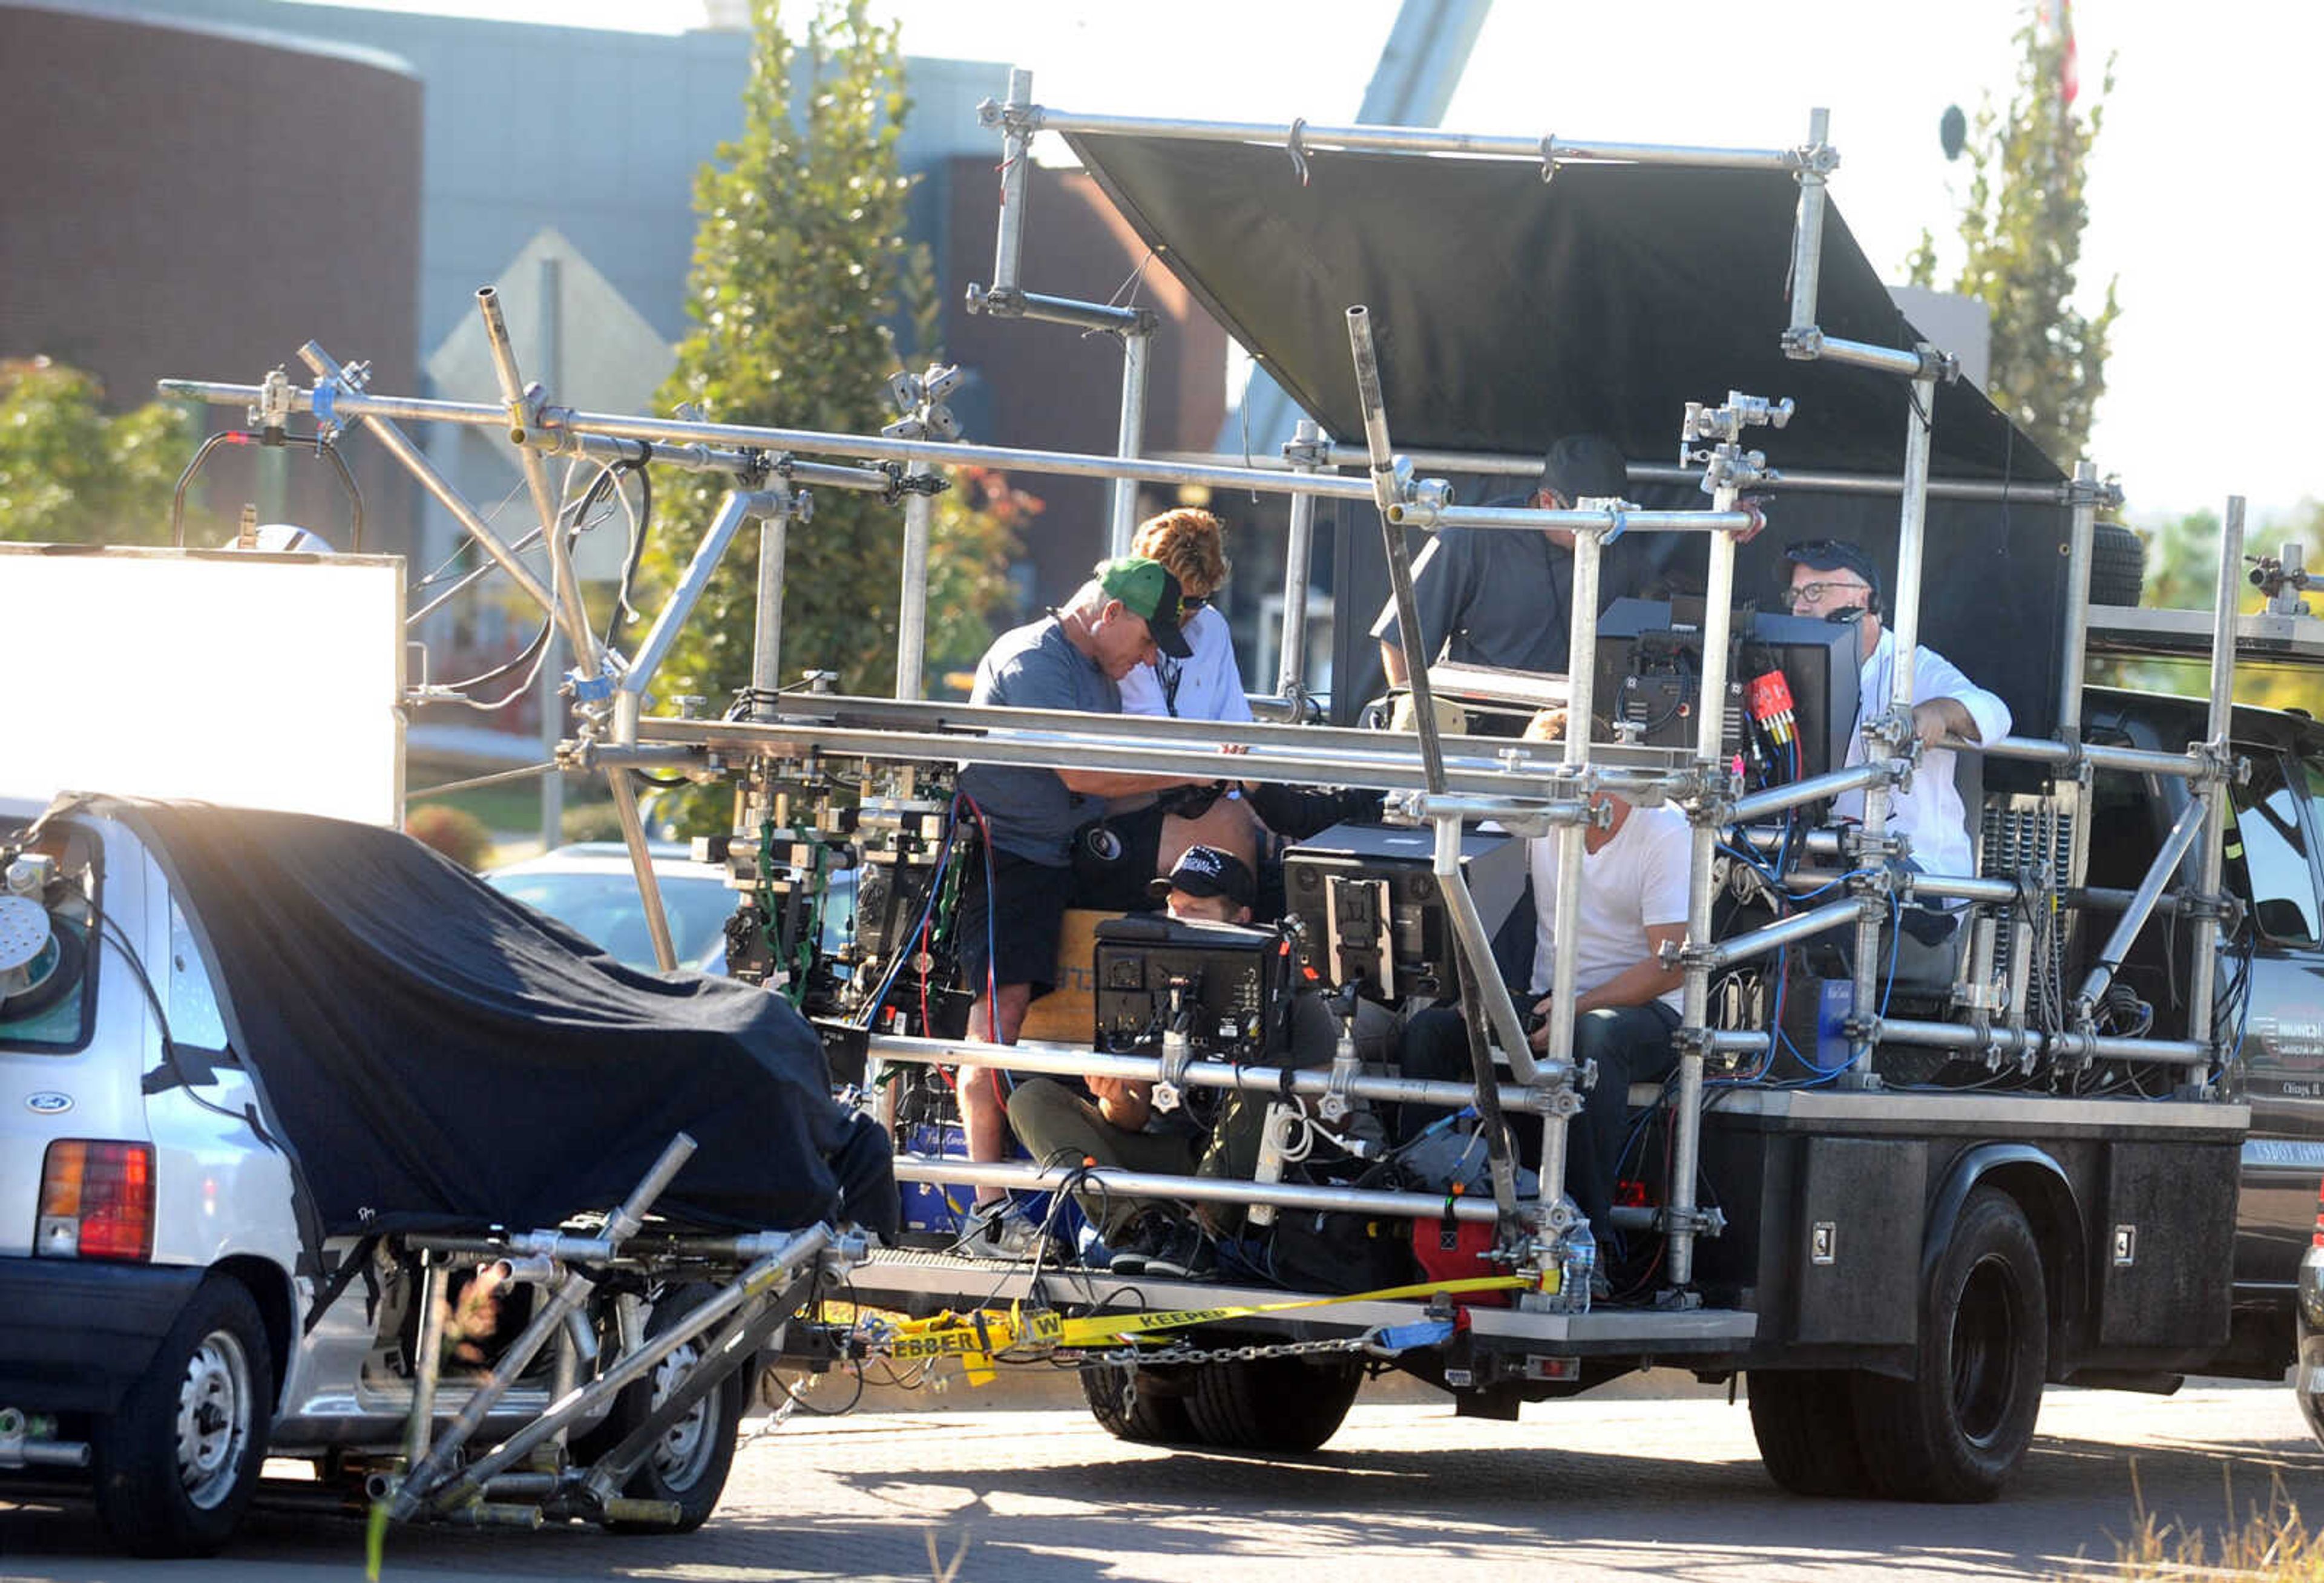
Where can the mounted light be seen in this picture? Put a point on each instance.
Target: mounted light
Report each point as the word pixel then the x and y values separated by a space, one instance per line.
pixel 97 1200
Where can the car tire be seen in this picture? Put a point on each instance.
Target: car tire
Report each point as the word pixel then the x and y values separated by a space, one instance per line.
pixel 178 1460
pixel 1272 1403
pixel 1156 1411
pixel 2118 564
pixel 1805 1422
pixel 689 1464
pixel 1957 1428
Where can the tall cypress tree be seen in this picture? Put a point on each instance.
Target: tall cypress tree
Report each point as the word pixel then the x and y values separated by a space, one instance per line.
pixel 801 273
pixel 2022 226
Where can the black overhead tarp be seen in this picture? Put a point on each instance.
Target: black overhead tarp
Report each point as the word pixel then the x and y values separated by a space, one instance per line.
pixel 1508 311
pixel 435 1054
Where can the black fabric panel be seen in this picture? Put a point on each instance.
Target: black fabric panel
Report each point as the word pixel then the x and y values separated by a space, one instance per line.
pixel 438 1054
pixel 1508 311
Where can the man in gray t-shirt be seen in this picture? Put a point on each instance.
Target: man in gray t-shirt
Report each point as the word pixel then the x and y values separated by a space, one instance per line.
pixel 1013 905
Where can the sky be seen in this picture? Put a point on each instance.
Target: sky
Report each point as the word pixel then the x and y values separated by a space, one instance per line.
pixel 2199 212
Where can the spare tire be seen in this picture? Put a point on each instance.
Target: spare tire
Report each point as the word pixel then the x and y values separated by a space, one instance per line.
pixel 1273 1404
pixel 2118 564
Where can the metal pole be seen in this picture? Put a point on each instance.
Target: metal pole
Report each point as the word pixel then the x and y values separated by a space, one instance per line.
pixel 550 693
pixel 2220 723
pixel 1912 533
pixel 912 597
pixel 737 508
pixel 2078 601
pixel 1361 1201
pixel 1807 229
pixel 1581 664
pixel 1694 1009
pixel 2134 918
pixel 1009 241
pixel 1136 347
pixel 1388 497
pixel 415 461
pixel 1291 648
pixel 766 630
pixel 570 613
pixel 623 783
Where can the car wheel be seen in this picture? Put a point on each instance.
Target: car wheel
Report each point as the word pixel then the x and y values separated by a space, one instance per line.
pixel 178 1460
pixel 1805 1424
pixel 688 1465
pixel 1957 1428
pixel 2118 564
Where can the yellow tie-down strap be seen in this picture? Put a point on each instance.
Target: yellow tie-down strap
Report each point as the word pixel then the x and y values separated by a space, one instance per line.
pixel 976 1337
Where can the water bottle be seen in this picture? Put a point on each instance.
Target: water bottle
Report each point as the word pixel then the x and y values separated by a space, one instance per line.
pixel 1578 1264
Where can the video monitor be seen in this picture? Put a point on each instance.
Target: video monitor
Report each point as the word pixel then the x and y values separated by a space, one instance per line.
pixel 1372 910
pixel 1649 671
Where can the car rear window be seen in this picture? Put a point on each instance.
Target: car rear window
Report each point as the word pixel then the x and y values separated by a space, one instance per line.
pixel 50 1004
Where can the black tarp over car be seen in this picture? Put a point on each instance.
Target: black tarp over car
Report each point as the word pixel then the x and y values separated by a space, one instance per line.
pixel 436 1054
pixel 1508 310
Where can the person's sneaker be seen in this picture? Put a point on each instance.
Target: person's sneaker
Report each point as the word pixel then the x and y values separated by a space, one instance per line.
pixel 999 1230
pixel 1184 1252
pixel 1134 1251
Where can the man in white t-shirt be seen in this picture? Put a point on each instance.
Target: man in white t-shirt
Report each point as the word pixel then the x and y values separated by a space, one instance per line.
pixel 1626 996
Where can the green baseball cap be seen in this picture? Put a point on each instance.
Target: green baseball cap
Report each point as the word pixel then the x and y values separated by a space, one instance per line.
pixel 1148 589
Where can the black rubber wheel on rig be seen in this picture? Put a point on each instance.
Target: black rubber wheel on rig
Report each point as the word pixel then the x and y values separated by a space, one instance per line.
pixel 1957 1428
pixel 176 1462
pixel 2118 564
pixel 1273 1404
pixel 1156 1413
pixel 1805 1420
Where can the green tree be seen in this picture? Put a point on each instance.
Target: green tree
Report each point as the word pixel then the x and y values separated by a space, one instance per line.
pixel 2182 563
pixel 2021 227
pixel 69 472
pixel 801 270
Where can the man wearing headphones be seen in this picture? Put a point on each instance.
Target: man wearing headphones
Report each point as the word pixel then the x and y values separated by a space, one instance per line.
pixel 1836 580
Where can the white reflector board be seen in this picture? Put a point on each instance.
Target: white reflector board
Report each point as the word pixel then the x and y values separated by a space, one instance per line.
pixel 250 680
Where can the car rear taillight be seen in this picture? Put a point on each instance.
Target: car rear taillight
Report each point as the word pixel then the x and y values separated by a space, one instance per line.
pixel 97 1200
pixel 2318 1240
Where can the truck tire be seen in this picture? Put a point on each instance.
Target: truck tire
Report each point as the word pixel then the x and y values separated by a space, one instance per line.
pixel 2118 564
pixel 689 1464
pixel 1957 1428
pixel 176 1462
pixel 1272 1403
pixel 1154 1417
pixel 1805 1420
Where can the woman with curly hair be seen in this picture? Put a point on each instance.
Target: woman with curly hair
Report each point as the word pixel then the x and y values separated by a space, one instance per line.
pixel 1209 685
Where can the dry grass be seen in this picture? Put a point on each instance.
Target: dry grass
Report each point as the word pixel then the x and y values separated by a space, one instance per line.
pixel 2266 1542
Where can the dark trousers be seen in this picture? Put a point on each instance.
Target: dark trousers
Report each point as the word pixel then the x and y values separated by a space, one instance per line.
pixel 1629 1043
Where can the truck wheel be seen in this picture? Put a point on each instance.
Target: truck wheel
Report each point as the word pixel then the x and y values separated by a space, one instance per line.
pixel 1805 1424
pixel 1272 1403
pixel 1154 1417
pixel 1957 1428
pixel 689 1464
pixel 2118 564
pixel 178 1460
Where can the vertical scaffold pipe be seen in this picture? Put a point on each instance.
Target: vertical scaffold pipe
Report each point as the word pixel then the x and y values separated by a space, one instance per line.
pixel 1136 352
pixel 912 598
pixel 767 629
pixel 1291 647
pixel 1710 753
pixel 1807 230
pixel 1015 161
pixel 2077 604
pixel 2220 724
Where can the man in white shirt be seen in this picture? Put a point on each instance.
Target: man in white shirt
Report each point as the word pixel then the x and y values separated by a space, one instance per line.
pixel 1627 998
pixel 1836 580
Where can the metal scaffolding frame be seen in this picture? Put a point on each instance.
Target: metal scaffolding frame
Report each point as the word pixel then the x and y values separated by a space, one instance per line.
pixel 1531 790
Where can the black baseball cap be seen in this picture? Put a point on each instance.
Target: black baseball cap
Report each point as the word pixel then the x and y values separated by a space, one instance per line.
pixel 1835 555
pixel 1206 870
pixel 1586 466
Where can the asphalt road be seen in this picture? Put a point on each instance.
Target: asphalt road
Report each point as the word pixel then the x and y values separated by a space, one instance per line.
pixel 1610 1488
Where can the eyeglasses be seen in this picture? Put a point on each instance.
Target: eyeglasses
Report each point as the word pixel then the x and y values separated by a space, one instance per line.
pixel 1815 593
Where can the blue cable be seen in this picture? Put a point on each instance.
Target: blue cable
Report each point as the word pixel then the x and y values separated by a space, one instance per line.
pixel 936 884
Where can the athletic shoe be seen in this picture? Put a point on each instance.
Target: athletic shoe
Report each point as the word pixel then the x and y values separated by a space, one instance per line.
pixel 999 1230
pixel 1184 1252
pixel 1134 1251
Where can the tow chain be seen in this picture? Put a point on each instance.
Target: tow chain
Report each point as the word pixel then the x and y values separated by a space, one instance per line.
pixel 1178 1352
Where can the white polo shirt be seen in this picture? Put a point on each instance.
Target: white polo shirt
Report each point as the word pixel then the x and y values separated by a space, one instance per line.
pixel 1636 881
pixel 1210 681
pixel 1931 816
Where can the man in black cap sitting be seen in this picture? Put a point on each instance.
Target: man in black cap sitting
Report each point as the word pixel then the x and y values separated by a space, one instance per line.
pixel 1119 1127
